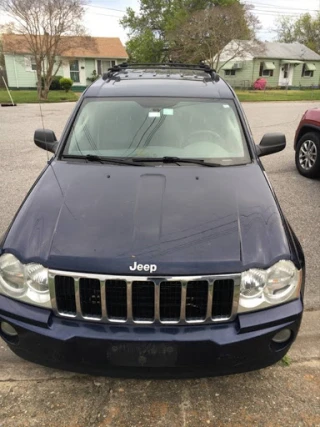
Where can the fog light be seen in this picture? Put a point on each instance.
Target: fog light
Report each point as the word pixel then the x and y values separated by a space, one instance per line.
pixel 282 336
pixel 8 330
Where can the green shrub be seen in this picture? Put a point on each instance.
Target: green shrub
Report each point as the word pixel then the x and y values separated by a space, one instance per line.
pixel 55 84
pixel 66 84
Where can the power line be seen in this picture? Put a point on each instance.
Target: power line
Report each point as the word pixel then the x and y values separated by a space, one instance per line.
pixel 276 12
pixel 104 7
pixel 273 6
pixel 104 14
pixel 277 6
pixel 258 6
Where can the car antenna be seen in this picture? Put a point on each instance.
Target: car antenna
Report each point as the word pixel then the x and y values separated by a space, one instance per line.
pixel 47 151
pixel 42 121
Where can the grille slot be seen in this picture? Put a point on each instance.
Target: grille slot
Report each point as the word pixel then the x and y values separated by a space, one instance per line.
pixel 170 301
pixel 90 298
pixel 124 299
pixel 222 298
pixel 116 298
pixel 65 295
pixel 197 300
pixel 143 301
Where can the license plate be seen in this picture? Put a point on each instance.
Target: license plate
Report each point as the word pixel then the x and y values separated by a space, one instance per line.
pixel 142 354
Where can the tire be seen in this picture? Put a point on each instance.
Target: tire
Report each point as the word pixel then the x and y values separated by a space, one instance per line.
pixel 308 155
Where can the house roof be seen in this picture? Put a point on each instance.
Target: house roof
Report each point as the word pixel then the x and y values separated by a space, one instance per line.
pixel 289 51
pixel 88 47
pixel 275 50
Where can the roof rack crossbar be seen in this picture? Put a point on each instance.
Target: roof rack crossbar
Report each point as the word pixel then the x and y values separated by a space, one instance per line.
pixel 161 66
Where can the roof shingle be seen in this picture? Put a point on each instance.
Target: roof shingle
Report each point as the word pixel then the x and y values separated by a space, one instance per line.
pixel 276 50
pixel 289 51
pixel 94 47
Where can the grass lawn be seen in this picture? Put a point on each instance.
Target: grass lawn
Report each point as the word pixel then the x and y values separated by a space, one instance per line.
pixel 278 95
pixel 30 96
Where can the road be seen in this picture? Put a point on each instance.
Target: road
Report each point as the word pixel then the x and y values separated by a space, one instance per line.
pixel 277 396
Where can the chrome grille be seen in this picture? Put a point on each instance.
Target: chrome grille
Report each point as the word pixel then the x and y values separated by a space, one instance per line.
pixel 170 301
pixel 144 300
pixel 90 297
pixel 197 300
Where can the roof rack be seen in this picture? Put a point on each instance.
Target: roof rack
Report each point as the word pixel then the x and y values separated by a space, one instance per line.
pixel 114 71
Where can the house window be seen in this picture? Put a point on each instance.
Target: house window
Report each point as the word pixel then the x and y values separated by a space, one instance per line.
pixel 75 71
pixel 30 63
pixel 33 63
pixel 230 72
pixel 264 72
pixel 267 73
pixel 306 72
pixel 104 65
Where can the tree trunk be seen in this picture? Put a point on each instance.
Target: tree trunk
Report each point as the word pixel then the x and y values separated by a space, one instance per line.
pixel 45 91
pixel 39 84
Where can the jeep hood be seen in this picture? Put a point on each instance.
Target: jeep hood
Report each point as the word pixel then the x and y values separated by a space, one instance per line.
pixel 186 220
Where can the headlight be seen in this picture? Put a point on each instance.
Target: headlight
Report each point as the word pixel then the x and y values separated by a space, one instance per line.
pixel 264 288
pixel 26 282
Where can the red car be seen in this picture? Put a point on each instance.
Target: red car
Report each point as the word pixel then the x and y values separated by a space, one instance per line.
pixel 307 144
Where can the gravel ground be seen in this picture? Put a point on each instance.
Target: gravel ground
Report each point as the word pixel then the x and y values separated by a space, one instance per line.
pixel 21 162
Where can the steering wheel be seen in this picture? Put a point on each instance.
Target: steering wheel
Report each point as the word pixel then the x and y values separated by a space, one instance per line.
pixel 206 136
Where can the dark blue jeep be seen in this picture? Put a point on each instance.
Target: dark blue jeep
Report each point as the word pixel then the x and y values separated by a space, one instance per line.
pixel 152 243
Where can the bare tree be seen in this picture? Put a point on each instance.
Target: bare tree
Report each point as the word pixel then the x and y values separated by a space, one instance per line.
pixel 304 29
pixel 48 29
pixel 237 50
pixel 207 32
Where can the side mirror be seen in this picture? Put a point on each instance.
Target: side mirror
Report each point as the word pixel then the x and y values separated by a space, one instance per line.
pixel 271 143
pixel 46 139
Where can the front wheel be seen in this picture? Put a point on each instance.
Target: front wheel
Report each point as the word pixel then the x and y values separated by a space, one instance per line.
pixel 308 155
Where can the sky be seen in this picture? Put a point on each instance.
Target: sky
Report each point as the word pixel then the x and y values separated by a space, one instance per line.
pixel 102 16
pixel 100 24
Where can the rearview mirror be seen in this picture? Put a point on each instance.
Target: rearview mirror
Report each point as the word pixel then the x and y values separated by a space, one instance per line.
pixel 46 139
pixel 271 143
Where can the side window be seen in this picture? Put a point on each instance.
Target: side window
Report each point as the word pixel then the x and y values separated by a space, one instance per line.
pixel 230 72
pixel 75 71
pixel 264 72
pixel 30 63
pixel 306 72
pixel 267 73
pixel 33 64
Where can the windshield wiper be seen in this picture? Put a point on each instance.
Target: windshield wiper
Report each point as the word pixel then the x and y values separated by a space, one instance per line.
pixel 177 160
pixel 98 159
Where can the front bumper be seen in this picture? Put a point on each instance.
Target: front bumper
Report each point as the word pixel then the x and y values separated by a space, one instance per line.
pixel 150 351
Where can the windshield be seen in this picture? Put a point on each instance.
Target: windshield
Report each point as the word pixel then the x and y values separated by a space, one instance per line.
pixel 129 128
